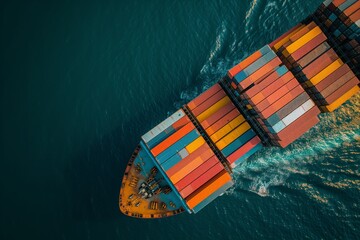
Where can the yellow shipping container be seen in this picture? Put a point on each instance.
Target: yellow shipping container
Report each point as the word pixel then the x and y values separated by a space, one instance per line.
pixel 341 100
pixel 227 128
pixel 213 109
pixel 287 38
pixel 225 141
pixel 325 72
pixel 195 144
pixel 301 41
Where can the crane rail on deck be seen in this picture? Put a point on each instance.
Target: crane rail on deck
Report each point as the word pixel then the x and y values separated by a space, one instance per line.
pixel 241 106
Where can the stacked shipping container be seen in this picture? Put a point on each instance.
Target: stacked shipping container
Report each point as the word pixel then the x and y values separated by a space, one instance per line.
pixel 340 20
pixel 321 71
pixel 274 93
pixel 277 100
pixel 188 162
pixel 225 125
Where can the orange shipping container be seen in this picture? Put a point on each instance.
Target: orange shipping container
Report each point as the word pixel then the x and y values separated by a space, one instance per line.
pixel 263 84
pixel 353 8
pixel 281 102
pixel 191 165
pixel 242 65
pixel 355 16
pixel 277 95
pixel 260 73
pixel 338 2
pixel 271 88
pixel 172 139
pixel 206 190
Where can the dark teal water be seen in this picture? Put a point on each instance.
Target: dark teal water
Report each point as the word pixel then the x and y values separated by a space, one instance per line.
pixel 82 81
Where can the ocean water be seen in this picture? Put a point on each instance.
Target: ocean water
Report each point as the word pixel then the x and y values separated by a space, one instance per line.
pixel 81 81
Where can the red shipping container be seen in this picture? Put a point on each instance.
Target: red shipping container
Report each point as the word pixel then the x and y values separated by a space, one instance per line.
pixel 341 90
pixel 313 43
pixel 298 131
pixel 201 180
pixel 204 149
pixel 313 55
pixel 337 84
pixel 261 85
pixel 320 63
pixel 180 123
pixel 277 95
pixel 292 105
pixel 205 95
pixel 208 102
pixel 259 73
pixel 286 132
pixel 196 173
pixel 271 88
pixel 216 116
pixel 244 149
pixel 281 102
pixel 233 85
pixel 333 77
pixel 222 121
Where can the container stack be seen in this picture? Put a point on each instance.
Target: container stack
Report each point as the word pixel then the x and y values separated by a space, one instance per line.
pixel 307 52
pixel 274 96
pixel 188 163
pixel 340 20
pixel 225 125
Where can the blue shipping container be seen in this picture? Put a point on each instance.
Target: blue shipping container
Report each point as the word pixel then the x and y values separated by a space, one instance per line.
pixel 232 147
pixel 176 147
pixel 246 155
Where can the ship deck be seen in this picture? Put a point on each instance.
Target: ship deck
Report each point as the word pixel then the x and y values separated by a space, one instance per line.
pixel 131 203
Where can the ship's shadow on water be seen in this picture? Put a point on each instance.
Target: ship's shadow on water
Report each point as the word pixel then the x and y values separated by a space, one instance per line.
pixel 94 175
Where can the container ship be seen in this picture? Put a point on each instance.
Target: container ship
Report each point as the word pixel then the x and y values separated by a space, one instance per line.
pixel 270 98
